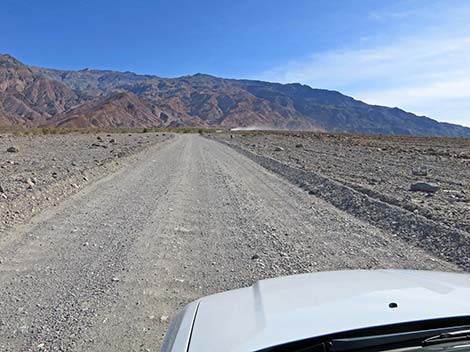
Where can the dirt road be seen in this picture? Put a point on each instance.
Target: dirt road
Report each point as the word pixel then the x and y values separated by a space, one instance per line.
pixel 107 269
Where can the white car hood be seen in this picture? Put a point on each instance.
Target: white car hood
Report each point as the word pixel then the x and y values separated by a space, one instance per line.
pixel 293 308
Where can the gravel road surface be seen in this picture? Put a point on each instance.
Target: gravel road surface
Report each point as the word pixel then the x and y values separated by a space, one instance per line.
pixel 107 269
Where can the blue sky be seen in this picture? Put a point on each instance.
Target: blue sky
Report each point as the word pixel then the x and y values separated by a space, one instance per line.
pixel 413 54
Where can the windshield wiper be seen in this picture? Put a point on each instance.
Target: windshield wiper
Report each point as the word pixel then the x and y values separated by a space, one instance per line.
pixel 399 340
pixel 447 337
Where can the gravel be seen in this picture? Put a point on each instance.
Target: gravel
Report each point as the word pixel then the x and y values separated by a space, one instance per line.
pixel 181 220
pixel 449 242
pixel 383 167
pixel 49 168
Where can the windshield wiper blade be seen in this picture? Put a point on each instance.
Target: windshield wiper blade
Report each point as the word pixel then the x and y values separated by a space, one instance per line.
pixel 399 340
pixel 446 337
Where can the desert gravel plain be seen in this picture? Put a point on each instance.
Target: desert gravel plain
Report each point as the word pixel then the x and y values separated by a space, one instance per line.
pixel 38 171
pixel 119 241
pixel 383 166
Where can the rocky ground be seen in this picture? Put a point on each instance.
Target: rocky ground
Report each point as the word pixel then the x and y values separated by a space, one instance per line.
pixel 36 172
pixel 108 268
pixel 427 176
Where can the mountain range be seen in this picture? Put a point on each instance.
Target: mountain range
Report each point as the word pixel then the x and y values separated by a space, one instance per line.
pixel 33 96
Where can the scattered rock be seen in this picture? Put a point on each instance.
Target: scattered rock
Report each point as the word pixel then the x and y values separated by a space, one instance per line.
pixel 163 318
pixel 420 172
pixel 373 181
pixel 464 156
pixel 112 141
pixel 52 168
pixel 255 256
pixel 424 187
pixel 299 145
pixel 115 279
pixel 278 149
pixel 30 182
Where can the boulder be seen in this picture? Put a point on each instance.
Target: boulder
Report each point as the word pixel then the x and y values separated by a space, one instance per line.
pixel 424 187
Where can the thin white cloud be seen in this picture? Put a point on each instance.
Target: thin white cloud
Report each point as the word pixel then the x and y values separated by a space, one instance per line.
pixel 427 73
pixel 391 15
pixel 444 100
pixel 450 89
pixel 420 58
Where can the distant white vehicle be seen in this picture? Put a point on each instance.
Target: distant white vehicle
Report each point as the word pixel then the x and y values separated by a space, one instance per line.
pixel 382 310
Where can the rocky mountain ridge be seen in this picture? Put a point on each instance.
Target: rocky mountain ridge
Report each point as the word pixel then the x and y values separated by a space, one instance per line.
pixel 33 96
